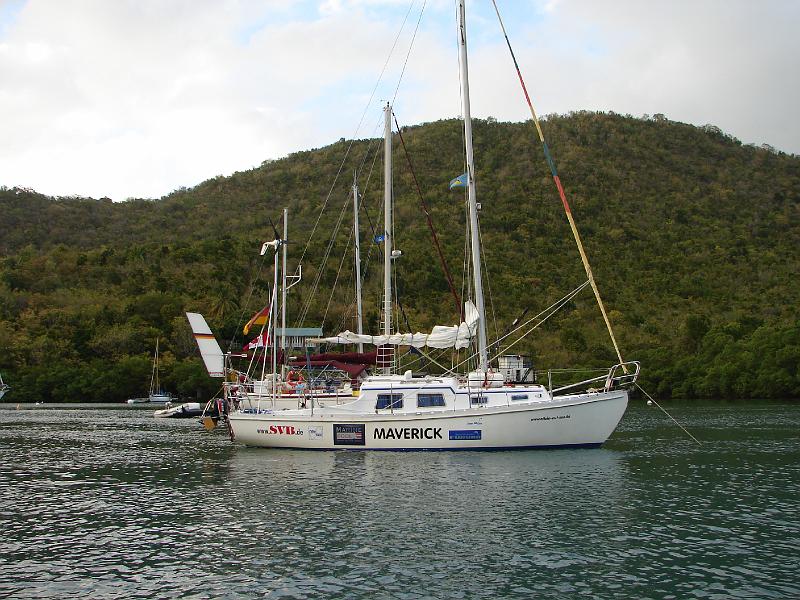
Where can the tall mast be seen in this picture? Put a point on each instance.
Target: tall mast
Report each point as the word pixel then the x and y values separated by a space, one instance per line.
pixel 154 384
pixel 273 318
pixel 483 357
pixel 387 229
pixel 283 291
pixel 356 237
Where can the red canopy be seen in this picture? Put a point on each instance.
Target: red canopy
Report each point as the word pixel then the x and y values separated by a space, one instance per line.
pixel 353 370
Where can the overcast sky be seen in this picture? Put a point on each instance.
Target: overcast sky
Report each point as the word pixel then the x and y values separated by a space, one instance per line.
pixel 136 98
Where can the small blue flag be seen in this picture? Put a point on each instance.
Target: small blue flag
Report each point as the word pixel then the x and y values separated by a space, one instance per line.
pixel 459 182
pixel 379 238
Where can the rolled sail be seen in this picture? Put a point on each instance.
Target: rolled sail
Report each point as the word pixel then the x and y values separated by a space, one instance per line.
pixel 441 336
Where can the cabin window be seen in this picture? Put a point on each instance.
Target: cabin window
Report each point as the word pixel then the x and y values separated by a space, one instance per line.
pixel 479 399
pixel 429 400
pixel 519 396
pixel 389 401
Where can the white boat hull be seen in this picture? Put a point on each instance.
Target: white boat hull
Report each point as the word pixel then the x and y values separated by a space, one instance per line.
pixel 159 398
pixel 182 411
pixel 585 420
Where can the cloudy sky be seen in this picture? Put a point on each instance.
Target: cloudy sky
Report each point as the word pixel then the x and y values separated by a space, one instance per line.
pixel 136 98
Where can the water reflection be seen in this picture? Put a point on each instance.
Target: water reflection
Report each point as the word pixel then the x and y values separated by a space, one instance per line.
pixel 112 503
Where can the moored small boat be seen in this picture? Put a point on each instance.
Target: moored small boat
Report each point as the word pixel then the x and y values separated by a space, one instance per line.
pixel 180 411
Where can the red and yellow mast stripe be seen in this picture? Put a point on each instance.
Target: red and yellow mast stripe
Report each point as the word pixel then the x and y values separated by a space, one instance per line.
pixel 561 193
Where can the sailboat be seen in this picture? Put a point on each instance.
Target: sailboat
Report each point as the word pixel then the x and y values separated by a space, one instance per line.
pixel 156 395
pixel 4 387
pixel 280 384
pixel 477 410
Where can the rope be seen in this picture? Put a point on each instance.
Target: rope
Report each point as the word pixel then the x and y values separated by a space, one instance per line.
pixel 459 307
pixel 561 193
pixel 669 415
pixel 553 309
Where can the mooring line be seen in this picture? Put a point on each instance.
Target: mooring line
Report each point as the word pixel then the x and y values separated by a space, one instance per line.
pixel 669 415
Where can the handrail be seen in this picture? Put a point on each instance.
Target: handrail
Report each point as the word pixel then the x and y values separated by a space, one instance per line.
pixel 612 380
pixel 627 377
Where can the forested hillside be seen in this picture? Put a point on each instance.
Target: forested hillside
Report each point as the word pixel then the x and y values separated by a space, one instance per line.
pixel 693 239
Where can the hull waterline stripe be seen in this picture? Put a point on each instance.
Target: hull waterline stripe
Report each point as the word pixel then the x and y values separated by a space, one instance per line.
pixel 467 449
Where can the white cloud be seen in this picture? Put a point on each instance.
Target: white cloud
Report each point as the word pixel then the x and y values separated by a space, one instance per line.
pixel 137 98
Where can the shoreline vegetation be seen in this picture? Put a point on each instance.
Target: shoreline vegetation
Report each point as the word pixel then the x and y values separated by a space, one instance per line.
pixel 692 236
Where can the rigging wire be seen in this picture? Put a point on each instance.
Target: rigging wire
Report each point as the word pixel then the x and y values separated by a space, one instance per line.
pixel 561 193
pixel 355 134
pixel 410 47
pixel 556 306
pixel 426 210
pixel 320 271
pixel 570 218
pixel 547 312
pixel 345 254
pixel 488 279
pixel 244 310
pixel 367 261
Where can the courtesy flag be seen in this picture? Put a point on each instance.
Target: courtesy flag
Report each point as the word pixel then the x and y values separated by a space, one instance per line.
pixel 459 182
pixel 260 341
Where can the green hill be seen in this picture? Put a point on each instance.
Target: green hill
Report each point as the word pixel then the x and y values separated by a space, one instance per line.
pixel 693 239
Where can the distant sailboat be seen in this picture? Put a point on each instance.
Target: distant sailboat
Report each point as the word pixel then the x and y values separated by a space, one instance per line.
pixel 284 383
pixel 157 395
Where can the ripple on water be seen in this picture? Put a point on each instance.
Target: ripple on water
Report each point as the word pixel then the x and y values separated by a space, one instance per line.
pixel 113 504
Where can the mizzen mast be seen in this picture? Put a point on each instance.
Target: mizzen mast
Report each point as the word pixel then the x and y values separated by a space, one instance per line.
pixel 357 238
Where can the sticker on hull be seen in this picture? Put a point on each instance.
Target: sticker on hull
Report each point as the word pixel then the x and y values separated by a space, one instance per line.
pixel 465 434
pixel 280 430
pixel 550 418
pixel 349 434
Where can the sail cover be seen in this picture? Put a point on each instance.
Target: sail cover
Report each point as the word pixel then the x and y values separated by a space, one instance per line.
pixel 441 336
pixel 209 348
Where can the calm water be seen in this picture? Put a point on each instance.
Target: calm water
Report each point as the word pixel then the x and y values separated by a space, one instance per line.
pixel 111 503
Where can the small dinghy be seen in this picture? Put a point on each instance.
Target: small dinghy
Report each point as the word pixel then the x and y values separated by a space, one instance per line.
pixel 181 411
